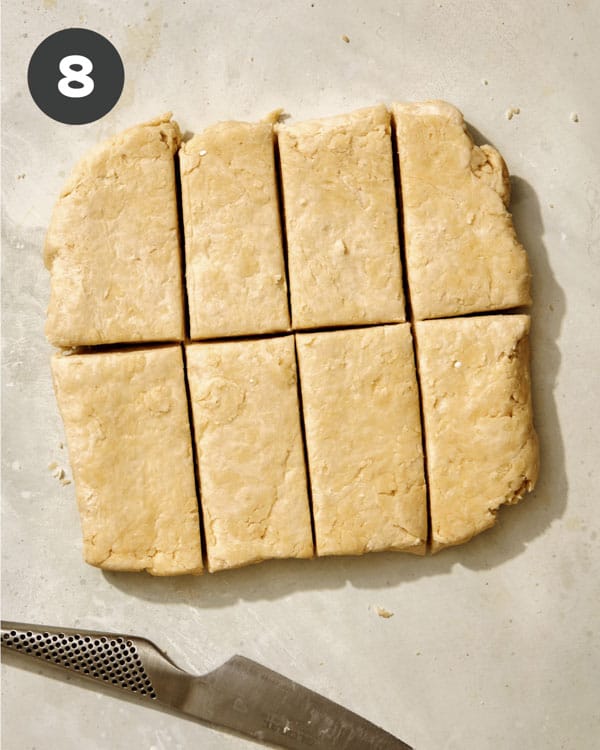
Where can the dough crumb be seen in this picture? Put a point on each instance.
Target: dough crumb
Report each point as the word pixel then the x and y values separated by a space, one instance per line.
pixel 58 473
pixel 345 38
pixel 484 81
pixel 275 116
pixel 511 112
pixel 383 612
pixel 574 117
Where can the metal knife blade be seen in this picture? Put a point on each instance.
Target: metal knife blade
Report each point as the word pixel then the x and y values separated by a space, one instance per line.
pixel 249 698
pixel 241 696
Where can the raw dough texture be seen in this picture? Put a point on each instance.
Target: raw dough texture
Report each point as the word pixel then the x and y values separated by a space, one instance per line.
pixel 126 419
pixel 341 220
pixel 235 272
pixel 363 436
pixel 480 441
pixel 462 254
pixel 112 247
pixel 249 446
pixel 113 252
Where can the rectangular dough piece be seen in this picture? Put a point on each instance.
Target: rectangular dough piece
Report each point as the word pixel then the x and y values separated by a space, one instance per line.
pixel 235 271
pixel 363 438
pixel 341 220
pixel 126 420
pixel 250 455
pixel 112 247
pixel 480 441
pixel 462 253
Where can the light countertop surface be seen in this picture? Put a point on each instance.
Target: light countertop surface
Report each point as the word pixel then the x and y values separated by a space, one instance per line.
pixel 492 646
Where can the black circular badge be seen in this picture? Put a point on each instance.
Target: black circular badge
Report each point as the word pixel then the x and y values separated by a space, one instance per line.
pixel 75 76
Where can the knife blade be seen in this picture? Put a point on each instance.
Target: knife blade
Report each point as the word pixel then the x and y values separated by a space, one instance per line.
pixel 240 696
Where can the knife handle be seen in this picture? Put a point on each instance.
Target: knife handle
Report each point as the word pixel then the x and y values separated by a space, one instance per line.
pixel 123 662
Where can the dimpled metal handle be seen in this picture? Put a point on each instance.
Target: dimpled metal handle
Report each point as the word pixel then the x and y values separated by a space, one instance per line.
pixel 120 661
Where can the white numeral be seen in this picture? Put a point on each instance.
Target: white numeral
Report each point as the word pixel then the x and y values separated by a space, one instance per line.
pixel 80 76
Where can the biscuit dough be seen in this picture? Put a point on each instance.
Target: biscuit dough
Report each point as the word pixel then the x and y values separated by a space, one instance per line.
pixel 114 257
pixel 363 437
pixel 480 441
pixel 250 454
pixel 235 272
pixel 126 421
pixel 112 247
pixel 341 220
pixel 462 254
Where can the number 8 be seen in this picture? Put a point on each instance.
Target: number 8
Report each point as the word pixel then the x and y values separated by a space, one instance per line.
pixel 80 76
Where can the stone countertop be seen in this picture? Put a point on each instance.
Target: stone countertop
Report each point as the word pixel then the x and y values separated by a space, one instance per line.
pixel 493 645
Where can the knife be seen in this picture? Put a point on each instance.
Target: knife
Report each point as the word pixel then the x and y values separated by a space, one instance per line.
pixel 240 696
